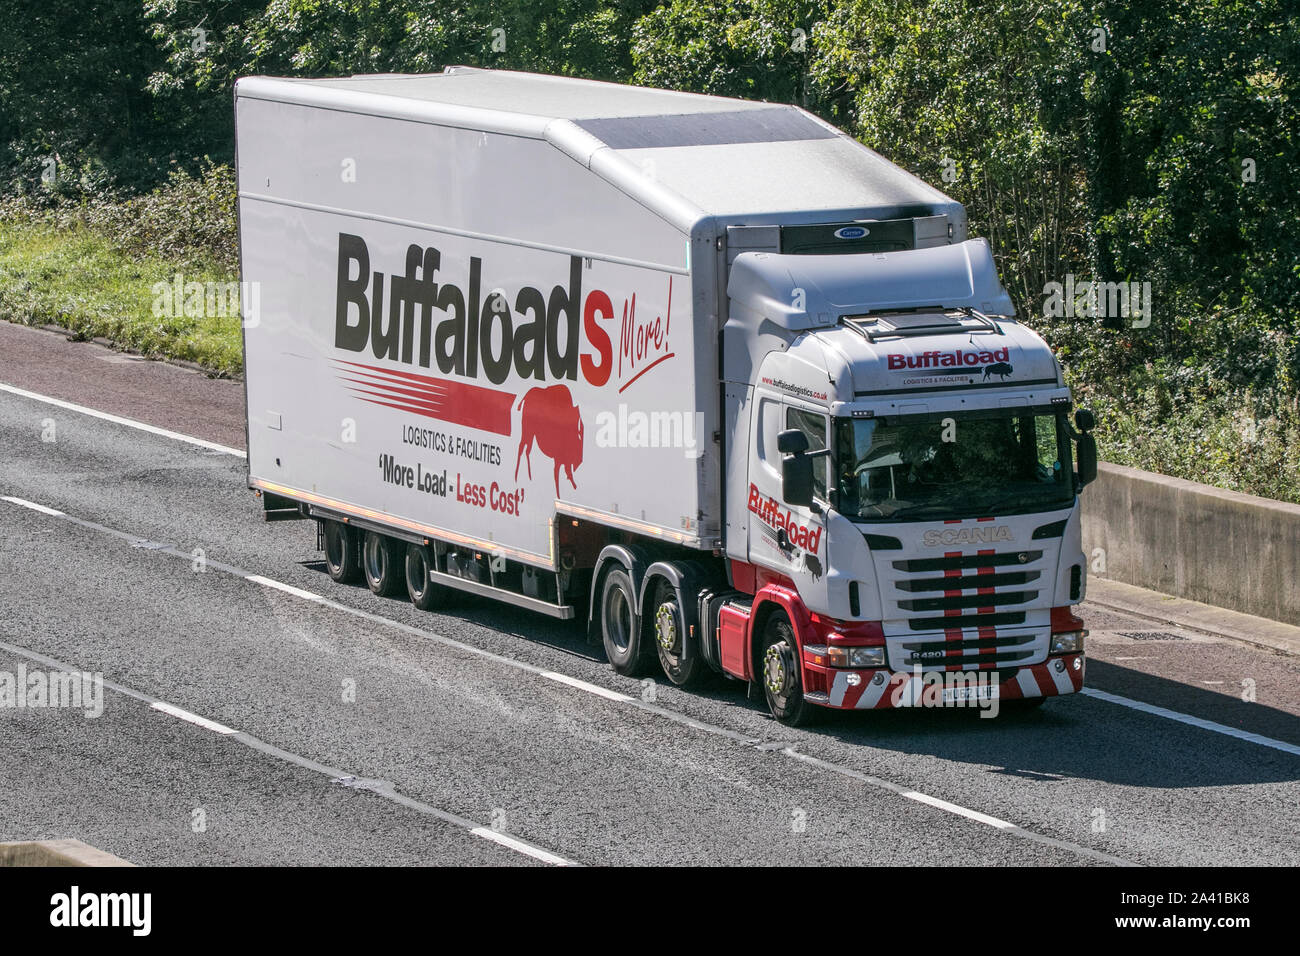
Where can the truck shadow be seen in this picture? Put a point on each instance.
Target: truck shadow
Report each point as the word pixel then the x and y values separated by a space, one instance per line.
pixel 1085 737
pixel 463 609
pixel 1069 737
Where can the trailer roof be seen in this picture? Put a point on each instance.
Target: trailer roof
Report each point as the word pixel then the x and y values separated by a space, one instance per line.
pixel 534 94
pixel 684 154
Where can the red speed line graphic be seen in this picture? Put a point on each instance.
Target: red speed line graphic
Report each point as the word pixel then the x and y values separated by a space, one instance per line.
pixel 458 403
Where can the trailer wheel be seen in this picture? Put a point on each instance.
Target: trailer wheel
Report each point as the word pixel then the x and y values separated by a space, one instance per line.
pixel 626 643
pixel 779 673
pixel 670 635
pixel 342 556
pixel 423 593
pixel 381 561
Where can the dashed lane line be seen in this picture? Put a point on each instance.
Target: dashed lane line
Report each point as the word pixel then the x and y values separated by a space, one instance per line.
pixel 381 788
pixel 576 684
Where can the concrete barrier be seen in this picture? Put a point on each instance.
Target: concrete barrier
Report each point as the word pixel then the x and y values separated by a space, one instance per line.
pixel 1193 541
pixel 56 853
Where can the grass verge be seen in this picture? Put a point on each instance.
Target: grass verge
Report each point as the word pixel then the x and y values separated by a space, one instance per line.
pixel 80 278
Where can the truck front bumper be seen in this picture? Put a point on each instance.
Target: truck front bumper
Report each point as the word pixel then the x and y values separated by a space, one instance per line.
pixel 884 688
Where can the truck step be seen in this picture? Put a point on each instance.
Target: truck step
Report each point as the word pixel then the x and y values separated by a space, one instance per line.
pixel 564 612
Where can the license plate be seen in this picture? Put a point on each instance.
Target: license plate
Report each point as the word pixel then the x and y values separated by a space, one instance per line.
pixel 960 695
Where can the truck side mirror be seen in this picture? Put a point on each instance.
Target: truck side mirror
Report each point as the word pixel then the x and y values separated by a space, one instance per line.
pixel 797 479
pixel 1086 421
pixel 1087 459
pixel 792 442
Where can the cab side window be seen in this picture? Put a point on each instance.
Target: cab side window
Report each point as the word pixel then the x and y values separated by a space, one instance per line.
pixel 769 425
pixel 813 425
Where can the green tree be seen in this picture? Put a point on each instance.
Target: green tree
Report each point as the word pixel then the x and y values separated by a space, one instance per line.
pixel 73 91
pixel 755 49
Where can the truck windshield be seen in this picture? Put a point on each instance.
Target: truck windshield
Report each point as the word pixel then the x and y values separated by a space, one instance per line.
pixel 962 464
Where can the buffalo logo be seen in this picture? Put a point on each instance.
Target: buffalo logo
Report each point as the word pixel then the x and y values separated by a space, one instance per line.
pixel 552 420
pixel 1000 369
pixel 812 564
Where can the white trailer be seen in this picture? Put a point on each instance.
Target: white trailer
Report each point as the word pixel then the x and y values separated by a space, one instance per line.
pixel 620 352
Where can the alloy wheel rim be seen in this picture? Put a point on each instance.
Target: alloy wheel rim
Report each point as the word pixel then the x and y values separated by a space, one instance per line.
pixel 666 628
pixel 778 670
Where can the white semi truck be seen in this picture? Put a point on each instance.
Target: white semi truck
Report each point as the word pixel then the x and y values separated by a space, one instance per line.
pixel 706 372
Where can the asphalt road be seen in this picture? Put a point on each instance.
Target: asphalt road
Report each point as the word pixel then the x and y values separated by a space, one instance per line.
pixel 320 724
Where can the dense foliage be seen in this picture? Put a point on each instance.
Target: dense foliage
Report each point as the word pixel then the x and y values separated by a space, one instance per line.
pixel 1139 143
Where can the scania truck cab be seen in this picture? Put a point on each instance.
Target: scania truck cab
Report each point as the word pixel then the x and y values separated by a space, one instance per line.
pixel 902 495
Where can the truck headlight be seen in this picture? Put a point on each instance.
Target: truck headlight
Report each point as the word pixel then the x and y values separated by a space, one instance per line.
pixel 856 656
pixel 1068 642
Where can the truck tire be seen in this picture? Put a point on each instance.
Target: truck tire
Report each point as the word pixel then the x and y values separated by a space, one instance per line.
pixel 778 673
pixel 628 644
pixel 423 593
pixel 342 556
pixel 668 625
pixel 381 560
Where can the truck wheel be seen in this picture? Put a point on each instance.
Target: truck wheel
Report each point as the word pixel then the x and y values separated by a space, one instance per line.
pixel 779 673
pixel 670 635
pixel 381 561
pixel 626 643
pixel 342 556
pixel 423 593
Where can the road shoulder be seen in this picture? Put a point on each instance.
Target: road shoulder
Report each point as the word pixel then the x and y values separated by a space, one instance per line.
pixel 1221 622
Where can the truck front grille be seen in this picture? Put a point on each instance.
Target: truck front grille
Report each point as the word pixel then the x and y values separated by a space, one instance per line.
pixel 956 562
pixel 960 601
pixel 969 581
pixel 1003 650
pixel 949 622
pixel 965 604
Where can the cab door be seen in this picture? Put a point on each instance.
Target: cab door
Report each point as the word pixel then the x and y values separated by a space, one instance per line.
pixel 763 496
pixel 790 541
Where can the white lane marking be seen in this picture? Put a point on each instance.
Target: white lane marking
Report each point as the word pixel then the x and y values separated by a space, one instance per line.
pixel 119 420
pixel 519 846
pixel 1135 658
pixel 195 719
pixel 286 588
pixel 596 689
pixel 333 773
pixel 614 695
pixel 944 805
pixel 958 809
pixel 23 502
pixel 1200 722
pixel 589 688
